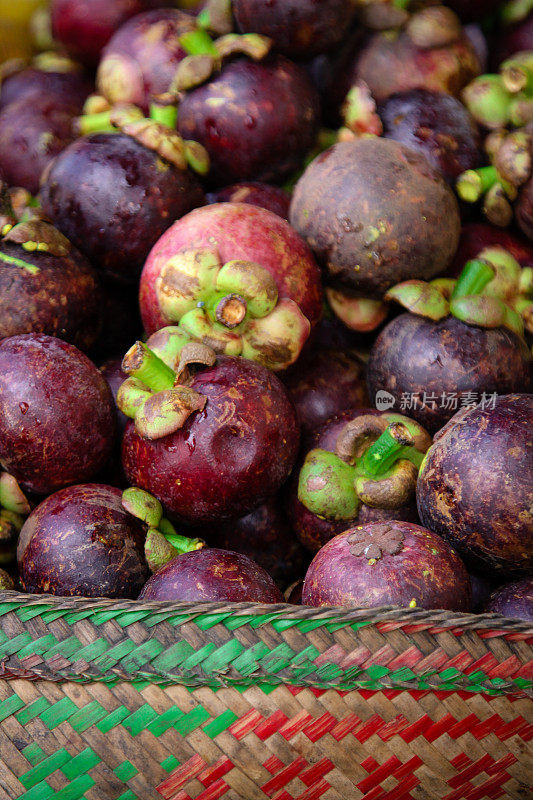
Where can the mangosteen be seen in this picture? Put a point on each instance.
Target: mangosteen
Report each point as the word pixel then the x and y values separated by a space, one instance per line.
pixel 81 542
pixel 209 445
pixel 514 600
pixel 57 420
pixel 515 37
pixel 121 323
pixel 114 194
pixel 387 563
pixel 474 487
pixel 255 193
pixel 460 343
pixel 14 507
pixel 256 119
pixel 476 236
pixel 212 575
pixel 49 75
pixel 237 278
pixel 360 467
pixel 374 212
pixel 436 125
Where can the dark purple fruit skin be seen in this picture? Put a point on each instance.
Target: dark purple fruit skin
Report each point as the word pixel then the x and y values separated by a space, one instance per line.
pixel 338 578
pixel 524 210
pixel 298 28
pixel 413 355
pixel 514 600
pixel 32 133
pixel 436 125
pixel 70 88
pixel 112 372
pixel 212 575
pixel 511 40
pixel 470 10
pixel 314 532
pixel 113 198
pixel 227 459
pixel 375 212
pixel 57 419
pixel 474 488
pixel 81 542
pixel 477 235
pixel 63 299
pixel 121 323
pixel 273 198
pixel 266 537
pixel 324 384
pixel 265 131
pixel 481 590
pixel 83 27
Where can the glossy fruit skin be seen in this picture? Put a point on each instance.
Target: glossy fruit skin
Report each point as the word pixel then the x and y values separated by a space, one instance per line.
pixel 57 420
pixel 492 449
pixel 212 575
pixel 62 299
pixel 70 88
pixel 266 537
pixel 113 198
pixel 338 578
pixel 265 131
pixel 298 28
pixel 374 213
pixel 514 600
pixel 436 125
pixel 413 355
pixel 476 236
pixel 237 231
pixel 254 193
pixel 81 542
pixel 313 531
pixel 147 50
pixel 33 131
pixel 324 384
pixel 227 459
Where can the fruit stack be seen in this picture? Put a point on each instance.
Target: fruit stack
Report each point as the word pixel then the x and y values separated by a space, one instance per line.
pixel 266 401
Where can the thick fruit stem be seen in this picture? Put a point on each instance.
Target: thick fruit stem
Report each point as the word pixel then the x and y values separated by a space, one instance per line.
pixel 165 113
pixel 99 122
pixel 385 451
pixel 473 279
pixel 140 362
pixel 198 43
pixel 231 310
pixel 142 505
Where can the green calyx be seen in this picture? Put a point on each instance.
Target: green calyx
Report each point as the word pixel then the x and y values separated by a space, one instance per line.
pixel 163 543
pixel 489 101
pixel 376 462
pixel 14 508
pixel 359 111
pixel 362 314
pixel 233 307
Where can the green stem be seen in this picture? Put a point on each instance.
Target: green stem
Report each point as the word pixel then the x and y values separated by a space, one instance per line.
pixel 198 43
pixel 182 543
pixel 142 363
pixel 95 123
pixel 166 114
pixel 384 453
pixel 473 279
pixel 473 183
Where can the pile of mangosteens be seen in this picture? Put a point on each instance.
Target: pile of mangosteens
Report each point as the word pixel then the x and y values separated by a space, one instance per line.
pixel 266 304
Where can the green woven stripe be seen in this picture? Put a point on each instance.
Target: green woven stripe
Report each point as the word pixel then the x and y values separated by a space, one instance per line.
pixel 129 795
pixel 33 710
pixel 33 753
pixel 170 763
pixel 11 646
pixel 80 764
pixel 142 654
pixel 220 723
pixel 10 706
pixel 58 713
pixel 165 721
pixel 192 720
pixel 44 769
pixel 138 721
pixel 40 792
pixel 220 658
pixel 87 716
pixel 39 646
pixel 113 656
pixel 76 789
pixel 66 648
pixel 93 650
pixel 113 719
pixel 173 657
pixel 125 771
pixel 248 662
pixel 206 621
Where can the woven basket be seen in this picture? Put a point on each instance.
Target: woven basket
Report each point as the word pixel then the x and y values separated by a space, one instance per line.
pixel 121 700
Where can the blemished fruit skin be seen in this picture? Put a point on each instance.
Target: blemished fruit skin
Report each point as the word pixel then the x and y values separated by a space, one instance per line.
pixel 57 416
pixel 214 575
pixel 80 541
pixel 514 600
pixel 474 487
pixel 425 573
pixel 254 193
pixel 228 458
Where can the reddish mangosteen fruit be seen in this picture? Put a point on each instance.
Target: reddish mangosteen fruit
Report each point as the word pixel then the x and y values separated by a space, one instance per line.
pixel 474 487
pixel 255 193
pixel 374 212
pixel 387 563
pixel 237 278
pixel 80 541
pixel 360 467
pixel 83 27
pixel 476 236
pixel 46 286
pixel 212 575
pixel 211 445
pixel 113 195
pixel 436 125
pixel 57 420
pixel 52 76
pixel 256 119
pixel 298 28
pixel 265 536
pixel 514 600
pixel 459 345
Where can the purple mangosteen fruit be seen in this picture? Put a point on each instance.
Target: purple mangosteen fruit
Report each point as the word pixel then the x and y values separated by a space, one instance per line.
pixel 360 467
pixel 387 563
pixel 256 119
pixel 81 541
pixel 255 193
pixel 49 75
pixel 237 278
pixel 57 420
pixel 514 600
pixel 211 444
pixel 482 587
pixel 212 575
pixel 474 487
pixel 458 345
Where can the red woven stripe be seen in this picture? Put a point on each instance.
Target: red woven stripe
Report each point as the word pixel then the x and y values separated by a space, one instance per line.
pixel 315 773
pixel 470 772
pixel 284 777
pixel 406 769
pixel 460 761
pixel 462 726
pixel 180 776
pixel 409 658
pixel 241 727
pixel 517 726
pixel 216 790
pixel 315 792
pixel 461 661
pixel 506 669
pixel 369 728
pixel 440 727
pixel 501 764
pixel 485 664
pixel 273 765
pixel 355 658
pixel 403 791
pixel 345 726
pixel 526 671
pixel 417 728
pixel 379 774
pixel 392 728
pixel 271 725
pixel 435 660
pixel 296 724
pixel 216 771
pixel 380 658
pixel 370 764
pixel 316 729
pixel 484 727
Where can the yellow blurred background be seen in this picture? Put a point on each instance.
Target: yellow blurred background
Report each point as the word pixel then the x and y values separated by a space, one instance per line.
pixel 15 16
